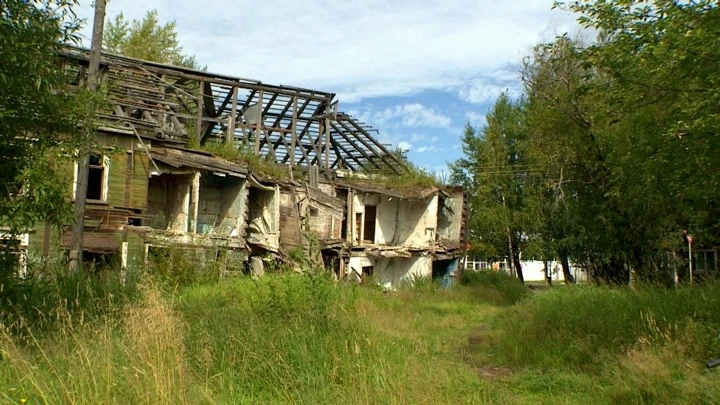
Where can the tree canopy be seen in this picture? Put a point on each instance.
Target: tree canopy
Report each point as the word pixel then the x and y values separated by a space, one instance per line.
pixel 622 137
pixel 37 110
pixel 146 39
pixel 38 114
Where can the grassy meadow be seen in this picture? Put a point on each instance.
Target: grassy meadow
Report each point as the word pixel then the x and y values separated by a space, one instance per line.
pixel 295 338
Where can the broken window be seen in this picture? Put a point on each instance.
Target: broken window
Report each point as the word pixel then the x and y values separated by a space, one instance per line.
pixel 343 228
pixel 97 178
pixel 370 216
pixel 100 261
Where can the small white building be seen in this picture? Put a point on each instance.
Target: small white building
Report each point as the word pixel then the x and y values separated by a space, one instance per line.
pixel 533 270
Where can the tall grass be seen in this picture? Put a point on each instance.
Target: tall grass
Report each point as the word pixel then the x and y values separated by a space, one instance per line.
pixel 495 287
pixel 617 345
pixel 305 338
pixel 580 327
pixel 41 304
pixel 133 354
pixel 301 338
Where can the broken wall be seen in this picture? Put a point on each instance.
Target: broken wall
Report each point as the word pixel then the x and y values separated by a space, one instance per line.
pixel 109 220
pixel 320 212
pixel 128 170
pixel 398 222
pixel 450 218
pixel 263 227
pixel 221 206
pixel 324 212
pixel 290 225
pixel 391 273
pixel 170 201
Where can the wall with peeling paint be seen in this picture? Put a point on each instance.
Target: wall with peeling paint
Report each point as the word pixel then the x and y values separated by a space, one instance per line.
pixel 391 273
pixel 400 222
pixel 450 217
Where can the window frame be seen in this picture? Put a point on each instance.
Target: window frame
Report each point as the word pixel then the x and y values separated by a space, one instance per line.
pixel 105 159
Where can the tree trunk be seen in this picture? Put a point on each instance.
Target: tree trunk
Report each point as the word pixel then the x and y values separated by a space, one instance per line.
pixel 566 270
pixel 548 276
pixel 518 266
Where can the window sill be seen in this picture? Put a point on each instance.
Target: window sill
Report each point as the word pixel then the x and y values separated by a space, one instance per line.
pixel 94 202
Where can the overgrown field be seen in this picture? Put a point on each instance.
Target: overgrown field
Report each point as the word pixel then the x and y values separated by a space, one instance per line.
pixel 307 339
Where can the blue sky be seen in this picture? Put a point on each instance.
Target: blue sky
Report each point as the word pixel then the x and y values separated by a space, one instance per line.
pixel 417 70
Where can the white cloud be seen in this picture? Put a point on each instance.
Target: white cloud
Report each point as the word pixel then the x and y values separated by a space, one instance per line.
pixel 475 119
pixel 427 148
pixel 386 48
pixel 480 92
pixel 416 137
pixel 404 146
pixel 404 115
pixel 417 115
pixel 487 88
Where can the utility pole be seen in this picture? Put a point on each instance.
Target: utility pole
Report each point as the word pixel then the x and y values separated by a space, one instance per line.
pixel 88 135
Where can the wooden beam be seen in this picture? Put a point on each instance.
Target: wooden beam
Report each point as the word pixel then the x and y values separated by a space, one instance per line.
pixel 293 124
pixel 231 119
pixel 355 145
pixel 369 147
pixel 212 124
pixel 337 146
pixel 293 140
pixel 269 104
pixel 259 126
pixel 327 143
pixel 386 153
pixel 305 130
pixel 285 90
pixel 199 113
pixel 278 118
pixel 209 107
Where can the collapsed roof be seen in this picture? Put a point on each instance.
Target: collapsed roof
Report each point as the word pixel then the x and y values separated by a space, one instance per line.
pixel 177 105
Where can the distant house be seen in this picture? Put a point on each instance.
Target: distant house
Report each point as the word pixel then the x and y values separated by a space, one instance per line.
pixel 533 270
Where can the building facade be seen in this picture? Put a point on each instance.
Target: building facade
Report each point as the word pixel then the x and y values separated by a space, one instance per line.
pixel 155 184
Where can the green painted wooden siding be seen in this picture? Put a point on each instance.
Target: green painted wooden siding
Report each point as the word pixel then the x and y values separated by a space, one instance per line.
pixel 140 173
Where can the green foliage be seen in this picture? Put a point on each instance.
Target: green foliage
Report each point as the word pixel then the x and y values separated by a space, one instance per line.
pixel 307 338
pixel 563 329
pixel 147 39
pixel 37 111
pixel 246 155
pixel 503 204
pixel 618 143
pixel 494 287
pixel 173 266
pixel 39 305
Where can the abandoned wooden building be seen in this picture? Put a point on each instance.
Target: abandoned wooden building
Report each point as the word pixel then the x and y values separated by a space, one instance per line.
pixel 154 182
